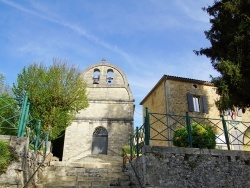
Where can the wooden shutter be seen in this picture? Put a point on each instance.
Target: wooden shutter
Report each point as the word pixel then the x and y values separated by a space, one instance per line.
pixel 190 102
pixel 204 104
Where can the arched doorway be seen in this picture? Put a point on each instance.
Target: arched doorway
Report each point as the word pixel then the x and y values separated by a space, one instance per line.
pixel 100 141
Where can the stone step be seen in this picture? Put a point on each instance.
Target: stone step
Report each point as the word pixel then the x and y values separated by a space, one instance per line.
pixel 85 164
pixel 84 175
pixel 96 171
pixel 62 171
pixel 76 176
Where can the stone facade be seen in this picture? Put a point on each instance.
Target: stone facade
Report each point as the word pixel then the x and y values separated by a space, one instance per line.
pixel 173 95
pixel 191 167
pixel 108 119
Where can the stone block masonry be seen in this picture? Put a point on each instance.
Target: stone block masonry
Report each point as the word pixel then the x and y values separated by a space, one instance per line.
pixel 15 175
pixel 191 167
pixel 104 127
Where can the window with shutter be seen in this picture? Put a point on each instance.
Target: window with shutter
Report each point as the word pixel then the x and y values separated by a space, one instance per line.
pixel 197 103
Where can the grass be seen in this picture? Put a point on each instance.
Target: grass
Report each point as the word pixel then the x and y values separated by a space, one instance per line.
pixel 7 155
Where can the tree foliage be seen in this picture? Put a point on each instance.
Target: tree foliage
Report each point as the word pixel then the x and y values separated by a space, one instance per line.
pixel 56 94
pixel 4 88
pixel 202 136
pixel 229 52
pixel 8 108
pixel 8 115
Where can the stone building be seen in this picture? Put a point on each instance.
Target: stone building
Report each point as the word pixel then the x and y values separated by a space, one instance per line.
pixel 177 95
pixel 103 127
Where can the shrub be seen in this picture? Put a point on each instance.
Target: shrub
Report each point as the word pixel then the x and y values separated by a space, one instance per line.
pixel 6 156
pixel 126 150
pixel 202 136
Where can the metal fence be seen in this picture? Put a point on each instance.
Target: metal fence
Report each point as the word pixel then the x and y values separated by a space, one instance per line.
pixel 159 130
pixel 9 115
pixel 15 119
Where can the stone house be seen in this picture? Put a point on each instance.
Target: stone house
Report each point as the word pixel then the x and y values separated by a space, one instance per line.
pixel 104 127
pixel 176 95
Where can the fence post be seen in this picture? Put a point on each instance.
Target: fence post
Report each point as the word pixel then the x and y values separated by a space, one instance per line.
pixel 22 115
pixel 131 147
pixel 189 131
pixel 37 135
pixel 25 118
pixel 137 142
pixel 225 132
pixel 46 145
pixel 147 128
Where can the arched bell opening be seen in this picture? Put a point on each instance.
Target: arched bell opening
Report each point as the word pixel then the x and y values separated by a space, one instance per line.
pixel 96 76
pixel 110 76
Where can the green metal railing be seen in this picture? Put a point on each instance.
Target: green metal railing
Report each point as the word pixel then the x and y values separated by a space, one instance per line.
pixel 23 116
pixel 136 142
pixel 9 114
pixel 19 122
pixel 160 128
pixel 38 139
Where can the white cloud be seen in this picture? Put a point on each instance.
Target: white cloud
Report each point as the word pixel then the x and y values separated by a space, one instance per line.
pixel 70 26
pixel 146 39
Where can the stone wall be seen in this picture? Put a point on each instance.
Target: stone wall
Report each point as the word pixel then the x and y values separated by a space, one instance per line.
pixel 15 174
pixel 23 171
pixel 177 97
pixel 191 167
pixel 82 132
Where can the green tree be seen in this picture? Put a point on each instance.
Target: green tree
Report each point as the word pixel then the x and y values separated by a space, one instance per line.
pixel 4 88
pixel 56 94
pixel 8 109
pixel 229 52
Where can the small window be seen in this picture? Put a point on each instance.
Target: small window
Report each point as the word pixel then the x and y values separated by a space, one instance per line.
pixel 197 103
pixel 96 76
pixel 110 76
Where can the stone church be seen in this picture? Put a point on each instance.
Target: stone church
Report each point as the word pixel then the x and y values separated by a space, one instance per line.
pixel 104 127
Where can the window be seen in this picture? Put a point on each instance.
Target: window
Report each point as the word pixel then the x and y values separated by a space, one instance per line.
pixel 197 103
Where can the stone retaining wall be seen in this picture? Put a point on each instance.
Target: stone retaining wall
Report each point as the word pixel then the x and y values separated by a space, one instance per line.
pixel 15 176
pixel 19 172
pixel 191 167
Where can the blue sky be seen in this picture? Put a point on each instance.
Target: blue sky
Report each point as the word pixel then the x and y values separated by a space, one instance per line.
pixel 145 38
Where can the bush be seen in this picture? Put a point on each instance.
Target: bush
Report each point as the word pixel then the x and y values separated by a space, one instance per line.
pixel 6 156
pixel 202 136
pixel 126 150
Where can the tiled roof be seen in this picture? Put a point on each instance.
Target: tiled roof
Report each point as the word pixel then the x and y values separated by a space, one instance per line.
pixel 187 79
